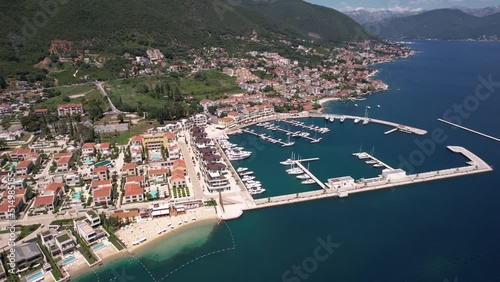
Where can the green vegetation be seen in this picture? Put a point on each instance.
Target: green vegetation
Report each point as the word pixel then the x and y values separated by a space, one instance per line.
pixel 181 192
pixel 10 277
pixel 168 98
pixel 26 230
pixel 122 138
pixel 55 269
pixel 111 225
pixel 210 203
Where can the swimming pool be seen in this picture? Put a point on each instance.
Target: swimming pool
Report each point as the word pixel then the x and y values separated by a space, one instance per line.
pixel 97 247
pixel 12 166
pixel 68 260
pixel 35 276
pixel 156 156
pixel 87 160
pixel 103 163
pixel 77 196
pixel 154 193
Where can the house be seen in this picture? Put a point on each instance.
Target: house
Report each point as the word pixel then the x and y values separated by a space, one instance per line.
pixel 67 110
pixel 129 169
pixel 41 112
pixel 95 184
pixel 85 231
pixel 18 154
pixel 158 175
pixel 102 195
pixel 24 168
pixel 140 179
pixel 88 149
pixel 50 198
pixel 160 209
pixel 127 215
pixel 136 153
pixel 26 254
pixel 136 141
pixel 63 164
pixel 133 193
pixel 93 218
pixel 65 242
pixel 200 120
pixel 33 157
pixel 179 165
pixel 10 209
pixel 177 179
pixel 104 148
pixel 102 172
pixel 58 156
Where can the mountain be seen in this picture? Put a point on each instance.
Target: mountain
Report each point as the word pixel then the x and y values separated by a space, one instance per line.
pixel 313 20
pixel 118 26
pixel 448 24
pixel 480 12
pixel 364 16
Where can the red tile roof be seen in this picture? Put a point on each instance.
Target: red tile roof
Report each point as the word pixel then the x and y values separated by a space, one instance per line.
pixel 54 186
pixel 23 164
pixel 64 160
pixel 101 168
pixel 158 171
pixel 129 166
pixel 88 146
pixel 97 183
pixel 20 151
pixel 132 189
pixel 137 178
pixel 44 200
pixel 102 192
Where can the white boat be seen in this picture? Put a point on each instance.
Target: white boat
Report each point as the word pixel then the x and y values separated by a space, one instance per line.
pixel 247 178
pixel 356 120
pixel 332 119
pixel 287 162
pixel 378 165
pixel 355 105
pixel 359 153
pixel 342 118
pixel 363 156
pixel 378 106
pixel 303 176
pixel 308 181
pixel 249 172
pixel 295 171
pixel 242 169
pixel 371 162
pixel 366 121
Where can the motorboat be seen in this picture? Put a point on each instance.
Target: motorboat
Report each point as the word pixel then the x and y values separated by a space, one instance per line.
pixel 241 169
pixel 294 171
pixel 308 181
pixel 356 120
pixel 303 176
pixel 342 118
pixel 371 162
pixel 247 177
pixel 249 172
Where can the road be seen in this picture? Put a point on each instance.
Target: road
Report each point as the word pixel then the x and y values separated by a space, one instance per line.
pixel 114 110
pixel 195 183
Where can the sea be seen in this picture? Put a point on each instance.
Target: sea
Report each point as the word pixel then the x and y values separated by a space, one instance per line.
pixel 447 230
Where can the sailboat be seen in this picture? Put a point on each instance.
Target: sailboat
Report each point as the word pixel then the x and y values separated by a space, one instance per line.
pixel 360 147
pixel 288 161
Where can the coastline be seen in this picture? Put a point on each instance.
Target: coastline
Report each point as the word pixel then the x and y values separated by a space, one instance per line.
pixel 150 243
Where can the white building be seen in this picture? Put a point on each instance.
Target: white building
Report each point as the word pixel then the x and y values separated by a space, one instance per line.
pixel 345 182
pixel 200 120
pixel 393 174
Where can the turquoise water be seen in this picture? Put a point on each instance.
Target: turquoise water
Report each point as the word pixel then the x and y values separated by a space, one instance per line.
pixel 34 276
pixel 77 196
pixel 12 166
pixel 87 160
pixel 98 247
pixel 156 156
pixel 103 163
pixel 68 260
pixel 439 231
pixel 154 193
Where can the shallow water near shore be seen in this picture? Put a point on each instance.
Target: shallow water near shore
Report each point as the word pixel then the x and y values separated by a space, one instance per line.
pixel 437 231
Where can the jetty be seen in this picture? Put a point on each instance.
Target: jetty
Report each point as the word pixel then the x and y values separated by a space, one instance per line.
pixel 306 171
pixel 291 133
pixel 470 130
pixel 267 138
pixel 341 187
pixel 302 125
pixel 366 156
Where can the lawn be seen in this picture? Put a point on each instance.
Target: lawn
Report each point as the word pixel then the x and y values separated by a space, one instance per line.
pixel 213 84
pixel 65 77
pixel 26 230
pixel 121 138
pixel 90 94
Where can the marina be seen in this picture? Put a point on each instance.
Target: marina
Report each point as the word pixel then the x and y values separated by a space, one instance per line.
pixel 296 134
pixel 302 125
pixel 267 138
pixel 341 187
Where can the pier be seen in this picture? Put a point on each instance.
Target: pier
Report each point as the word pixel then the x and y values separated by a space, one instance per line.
pixel 306 171
pixel 309 127
pixel 290 133
pixel 390 131
pixel 470 130
pixel 390 178
pixel 267 138
pixel 365 155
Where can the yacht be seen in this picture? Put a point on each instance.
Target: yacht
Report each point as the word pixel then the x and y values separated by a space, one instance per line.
pixel 363 156
pixel 303 176
pixel 242 169
pixel 342 118
pixel 308 181
pixel 288 161
pixel 294 171
pixel 252 182
pixel 247 177
pixel 249 172
pixel 371 162
pixel 378 106
pixel 378 165
pixel 356 120
pixel 332 119
pixel 359 153
pixel 366 121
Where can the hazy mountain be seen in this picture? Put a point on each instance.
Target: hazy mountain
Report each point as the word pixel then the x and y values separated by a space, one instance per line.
pixel 446 24
pixel 364 16
pixel 480 12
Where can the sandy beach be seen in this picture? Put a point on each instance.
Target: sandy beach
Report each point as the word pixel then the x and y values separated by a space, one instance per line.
pixel 324 100
pixel 148 229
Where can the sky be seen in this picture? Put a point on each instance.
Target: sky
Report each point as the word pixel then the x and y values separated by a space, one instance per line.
pixel 344 5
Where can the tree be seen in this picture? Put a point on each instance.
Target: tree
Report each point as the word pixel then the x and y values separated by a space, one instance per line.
pixel 6 122
pixel 3 144
pixel 3 83
pixel 121 117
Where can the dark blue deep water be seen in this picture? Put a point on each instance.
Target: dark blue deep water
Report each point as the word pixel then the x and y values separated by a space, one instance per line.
pixel 440 231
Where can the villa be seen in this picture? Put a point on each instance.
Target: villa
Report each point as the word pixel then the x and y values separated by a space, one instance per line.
pixel 102 172
pixel 18 154
pixel 88 149
pixel 133 193
pixel 102 195
pixel 129 169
